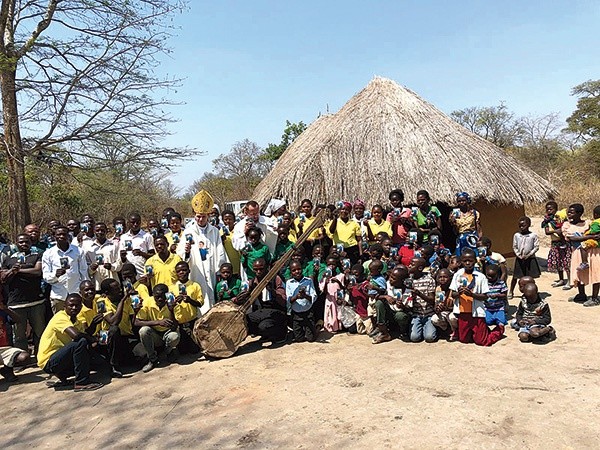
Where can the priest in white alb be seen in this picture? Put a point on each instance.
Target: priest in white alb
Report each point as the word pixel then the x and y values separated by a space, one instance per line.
pixel 201 246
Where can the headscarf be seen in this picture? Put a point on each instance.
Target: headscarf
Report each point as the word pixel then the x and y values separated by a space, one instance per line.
pixel 274 205
pixel 466 196
pixel 358 202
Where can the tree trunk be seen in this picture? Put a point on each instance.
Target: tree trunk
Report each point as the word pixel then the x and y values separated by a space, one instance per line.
pixel 18 204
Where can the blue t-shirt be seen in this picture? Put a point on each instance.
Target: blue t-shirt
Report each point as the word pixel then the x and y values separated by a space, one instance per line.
pixel 497 303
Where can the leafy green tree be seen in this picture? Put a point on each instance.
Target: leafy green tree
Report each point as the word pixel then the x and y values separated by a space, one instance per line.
pixel 585 120
pixel 291 131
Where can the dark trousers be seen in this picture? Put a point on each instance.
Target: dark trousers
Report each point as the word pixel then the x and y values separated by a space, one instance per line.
pixel 118 347
pixel 387 316
pixel 268 323
pixel 303 324
pixel 72 359
pixel 186 343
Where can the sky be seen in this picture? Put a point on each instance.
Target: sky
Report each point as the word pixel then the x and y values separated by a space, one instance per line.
pixel 248 66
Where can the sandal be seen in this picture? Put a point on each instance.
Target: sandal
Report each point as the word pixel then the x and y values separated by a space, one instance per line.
pixel 88 387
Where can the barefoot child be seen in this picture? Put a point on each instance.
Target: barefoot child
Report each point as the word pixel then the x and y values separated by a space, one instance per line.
pixel 525 246
pixel 469 290
pixel 533 317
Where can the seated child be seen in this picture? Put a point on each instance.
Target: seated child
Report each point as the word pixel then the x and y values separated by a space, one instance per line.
pixel 533 317
pixel 487 257
pixel 9 356
pixel 229 285
pixel 496 301
pixel 444 317
pixel 300 296
pixel 590 243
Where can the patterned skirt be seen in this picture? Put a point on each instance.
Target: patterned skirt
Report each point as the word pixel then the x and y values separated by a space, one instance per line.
pixel 559 258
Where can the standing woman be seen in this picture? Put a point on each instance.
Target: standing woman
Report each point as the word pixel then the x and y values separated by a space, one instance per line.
pixel 428 216
pixel 302 222
pixel 345 232
pixel 465 221
pixel 400 218
pixel 574 232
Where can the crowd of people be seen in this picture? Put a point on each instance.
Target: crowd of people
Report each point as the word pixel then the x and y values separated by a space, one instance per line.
pixel 115 294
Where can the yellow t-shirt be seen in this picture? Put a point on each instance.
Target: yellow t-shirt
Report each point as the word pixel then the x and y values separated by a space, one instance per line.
pixel 346 233
pixel 125 324
pixel 232 253
pixel 186 312
pixel 142 291
pixel 151 311
pixel 169 237
pixel 163 271
pixel 307 223
pixel 293 237
pixel 385 226
pixel 54 337
pixel 87 314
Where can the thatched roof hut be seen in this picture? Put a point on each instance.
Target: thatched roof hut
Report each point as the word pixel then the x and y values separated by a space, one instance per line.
pixel 387 137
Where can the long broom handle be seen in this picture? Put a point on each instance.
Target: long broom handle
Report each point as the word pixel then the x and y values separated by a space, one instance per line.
pixel 319 219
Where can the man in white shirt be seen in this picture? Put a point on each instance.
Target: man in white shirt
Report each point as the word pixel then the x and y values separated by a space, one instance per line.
pixel 64 268
pixel 136 246
pixel 253 219
pixel 103 258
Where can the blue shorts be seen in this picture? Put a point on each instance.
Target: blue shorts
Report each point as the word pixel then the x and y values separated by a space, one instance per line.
pixel 526 329
pixel 495 317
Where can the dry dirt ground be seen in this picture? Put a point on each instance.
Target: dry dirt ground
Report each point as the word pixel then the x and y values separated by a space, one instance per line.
pixel 342 392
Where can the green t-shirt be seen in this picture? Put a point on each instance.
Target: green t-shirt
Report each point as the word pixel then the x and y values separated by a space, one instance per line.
pixel 226 290
pixel 260 251
pixel 281 249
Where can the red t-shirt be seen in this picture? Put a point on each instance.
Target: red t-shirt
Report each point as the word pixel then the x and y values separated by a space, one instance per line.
pixel 360 300
pixel 406 253
pixel 4 330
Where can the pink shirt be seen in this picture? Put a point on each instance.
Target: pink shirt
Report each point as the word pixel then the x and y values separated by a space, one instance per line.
pixel 399 230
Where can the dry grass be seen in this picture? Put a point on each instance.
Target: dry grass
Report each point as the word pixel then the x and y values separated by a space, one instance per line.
pixel 387 137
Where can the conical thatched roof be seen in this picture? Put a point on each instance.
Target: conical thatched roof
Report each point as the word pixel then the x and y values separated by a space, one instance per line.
pixel 388 137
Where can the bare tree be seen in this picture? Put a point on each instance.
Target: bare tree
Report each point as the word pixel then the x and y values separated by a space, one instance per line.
pixel 75 71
